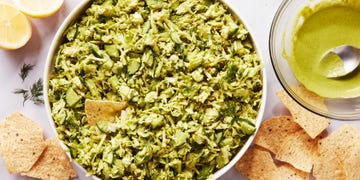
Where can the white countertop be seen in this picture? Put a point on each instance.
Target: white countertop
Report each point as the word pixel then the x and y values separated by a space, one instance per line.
pixel 257 15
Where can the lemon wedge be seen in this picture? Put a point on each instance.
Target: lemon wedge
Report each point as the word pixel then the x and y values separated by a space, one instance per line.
pixel 15 28
pixel 39 8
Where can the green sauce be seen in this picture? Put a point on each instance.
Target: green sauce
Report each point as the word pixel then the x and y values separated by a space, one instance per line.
pixel 323 28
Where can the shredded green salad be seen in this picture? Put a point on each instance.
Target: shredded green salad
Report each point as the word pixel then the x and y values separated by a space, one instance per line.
pixel 187 69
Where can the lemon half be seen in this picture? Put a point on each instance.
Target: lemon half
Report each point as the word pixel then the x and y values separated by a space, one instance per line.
pixel 39 8
pixel 15 28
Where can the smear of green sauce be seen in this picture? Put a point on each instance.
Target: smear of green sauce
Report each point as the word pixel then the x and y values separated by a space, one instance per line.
pixel 325 27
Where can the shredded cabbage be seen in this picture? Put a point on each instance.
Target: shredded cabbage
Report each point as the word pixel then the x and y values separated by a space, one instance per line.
pixel 187 69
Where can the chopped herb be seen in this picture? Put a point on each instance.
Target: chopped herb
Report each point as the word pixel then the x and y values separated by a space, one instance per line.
pixel 231 72
pixel 24 72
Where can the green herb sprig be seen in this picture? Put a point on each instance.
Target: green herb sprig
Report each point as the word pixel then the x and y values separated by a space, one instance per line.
pixel 24 92
pixel 24 72
pixel 35 92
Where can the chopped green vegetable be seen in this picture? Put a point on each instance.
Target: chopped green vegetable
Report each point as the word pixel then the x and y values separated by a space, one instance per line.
pixel 112 50
pixel 134 65
pixel 186 68
pixel 71 97
pixel 106 127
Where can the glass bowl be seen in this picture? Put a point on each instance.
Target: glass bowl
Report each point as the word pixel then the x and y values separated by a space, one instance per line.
pixel 280 46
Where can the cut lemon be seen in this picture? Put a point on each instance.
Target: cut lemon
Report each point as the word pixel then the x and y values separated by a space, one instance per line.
pixel 39 8
pixel 15 28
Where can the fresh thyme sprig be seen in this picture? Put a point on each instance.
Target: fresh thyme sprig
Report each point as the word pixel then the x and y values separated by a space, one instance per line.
pixel 24 72
pixel 34 94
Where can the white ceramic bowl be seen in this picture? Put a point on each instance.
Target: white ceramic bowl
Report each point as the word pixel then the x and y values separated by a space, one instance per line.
pixel 49 67
pixel 281 34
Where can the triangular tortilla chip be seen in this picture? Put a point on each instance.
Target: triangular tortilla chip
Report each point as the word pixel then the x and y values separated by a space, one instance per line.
pixel 21 142
pixel 288 172
pixel 352 162
pixel 53 164
pixel 339 155
pixel 312 123
pixel 100 110
pixel 257 163
pixel 288 141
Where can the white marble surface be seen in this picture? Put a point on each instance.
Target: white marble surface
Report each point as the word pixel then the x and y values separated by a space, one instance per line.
pixel 257 15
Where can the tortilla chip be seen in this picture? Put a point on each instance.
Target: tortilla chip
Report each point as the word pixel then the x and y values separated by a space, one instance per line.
pixel 53 164
pixel 352 162
pixel 257 163
pixel 288 141
pixel 99 110
pixel 21 142
pixel 339 155
pixel 286 171
pixel 312 123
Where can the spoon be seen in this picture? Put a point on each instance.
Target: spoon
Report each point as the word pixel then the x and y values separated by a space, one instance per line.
pixel 340 61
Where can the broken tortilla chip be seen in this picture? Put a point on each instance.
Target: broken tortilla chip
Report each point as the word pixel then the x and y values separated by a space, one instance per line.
pixel 100 110
pixel 288 141
pixel 339 155
pixel 312 123
pixel 52 164
pixel 21 142
pixel 257 163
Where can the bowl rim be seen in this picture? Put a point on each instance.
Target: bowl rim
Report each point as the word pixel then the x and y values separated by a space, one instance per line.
pixel 336 116
pixel 73 16
pixel 70 18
